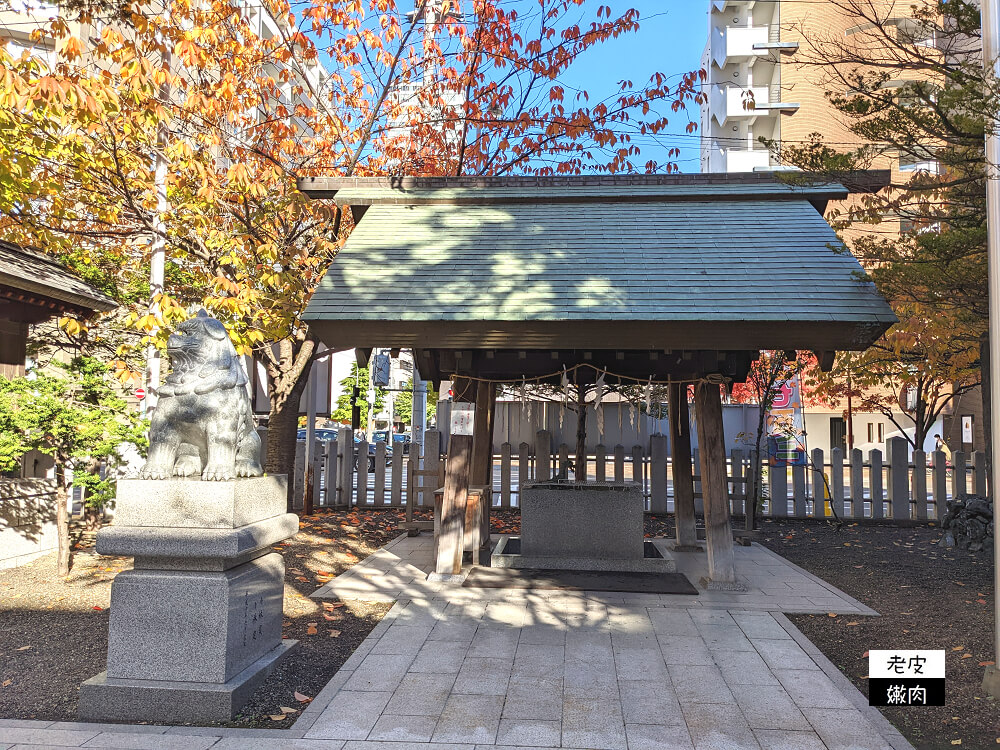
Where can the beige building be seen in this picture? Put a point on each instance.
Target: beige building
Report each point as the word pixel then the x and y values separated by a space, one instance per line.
pixel 763 83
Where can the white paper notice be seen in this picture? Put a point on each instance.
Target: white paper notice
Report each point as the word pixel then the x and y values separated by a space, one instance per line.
pixel 463 416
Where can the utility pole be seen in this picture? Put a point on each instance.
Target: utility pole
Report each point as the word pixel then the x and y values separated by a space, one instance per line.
pixel 158 249
pixel 991 61
pixel 418 417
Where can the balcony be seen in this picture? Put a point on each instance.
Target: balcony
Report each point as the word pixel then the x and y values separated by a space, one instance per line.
pixel 747 160
pixel 731 44
pixel 733 103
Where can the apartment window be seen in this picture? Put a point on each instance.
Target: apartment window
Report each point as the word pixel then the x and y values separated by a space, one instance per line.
pixel 918 163
pixel 871 432
pixel 881 432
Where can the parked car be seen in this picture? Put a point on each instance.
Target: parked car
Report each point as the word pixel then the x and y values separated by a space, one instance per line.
pixel 400 440
pixel 328 435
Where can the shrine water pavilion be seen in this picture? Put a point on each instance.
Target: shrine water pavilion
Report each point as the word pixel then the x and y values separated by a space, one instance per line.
pixel 679 280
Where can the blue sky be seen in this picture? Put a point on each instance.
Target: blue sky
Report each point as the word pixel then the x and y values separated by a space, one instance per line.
pixel 671 38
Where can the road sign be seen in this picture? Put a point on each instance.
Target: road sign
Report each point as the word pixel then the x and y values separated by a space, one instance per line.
pixel 139 393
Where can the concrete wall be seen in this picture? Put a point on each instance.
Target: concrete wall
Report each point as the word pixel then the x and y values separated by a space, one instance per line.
pixel 515 425
pixel 27 520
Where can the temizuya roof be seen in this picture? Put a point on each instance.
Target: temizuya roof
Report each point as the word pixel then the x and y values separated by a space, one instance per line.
pixel 709 262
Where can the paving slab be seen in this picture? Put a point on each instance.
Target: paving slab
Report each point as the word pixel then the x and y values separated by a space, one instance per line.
pixel 657 737
pixel 450 668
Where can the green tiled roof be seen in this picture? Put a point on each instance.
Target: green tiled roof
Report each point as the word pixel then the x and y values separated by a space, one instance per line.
pixel 707 260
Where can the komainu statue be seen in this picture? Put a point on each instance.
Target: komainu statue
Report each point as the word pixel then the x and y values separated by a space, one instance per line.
pixel 203 422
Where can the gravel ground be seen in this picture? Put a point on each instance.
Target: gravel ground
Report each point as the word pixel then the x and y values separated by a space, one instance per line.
pixel 53 632
pixel 928 598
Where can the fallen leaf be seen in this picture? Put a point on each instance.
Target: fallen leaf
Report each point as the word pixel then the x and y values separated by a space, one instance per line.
pixel 288 710
pixel 311 630
pixel 24 648
pixel 850 624
pixel 987 664
pixel 6 683
pixel 335 634
pixel 956 742
pixel 966 656
pixel 277 717
pixel 958 648
pixel 98 608
pixel 302 698
pixel 831 614
pixel 981 601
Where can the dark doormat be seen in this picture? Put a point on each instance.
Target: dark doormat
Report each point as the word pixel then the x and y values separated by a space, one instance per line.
pixel 579 580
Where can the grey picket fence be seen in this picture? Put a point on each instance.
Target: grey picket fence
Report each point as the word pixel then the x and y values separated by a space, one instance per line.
pixel 897 484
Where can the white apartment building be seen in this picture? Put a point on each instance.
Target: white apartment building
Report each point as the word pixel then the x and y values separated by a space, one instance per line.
pixel 745 98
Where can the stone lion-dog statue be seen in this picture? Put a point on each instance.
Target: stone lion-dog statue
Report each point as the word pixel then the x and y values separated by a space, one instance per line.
pixel 203 422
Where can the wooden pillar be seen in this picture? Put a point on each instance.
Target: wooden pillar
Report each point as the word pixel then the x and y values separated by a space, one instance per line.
pixel 712 446
pixel 482 439
pixel 680 449
pixel 451 538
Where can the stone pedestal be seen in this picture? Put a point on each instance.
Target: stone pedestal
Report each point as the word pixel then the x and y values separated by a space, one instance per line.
pixel 196 626
pixel 582 526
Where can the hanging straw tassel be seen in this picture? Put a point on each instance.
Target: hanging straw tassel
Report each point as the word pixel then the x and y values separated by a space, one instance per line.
pixel 524 400
pixel 565 400
pixel 598 409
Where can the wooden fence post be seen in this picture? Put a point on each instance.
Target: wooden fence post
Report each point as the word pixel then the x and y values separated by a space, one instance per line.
pixel 979 473
pixel 396 482
pixel 563 456
pixel 799 490
pixel 619 464
pixel 639 465
pixel 657 473
pixel 875 482
pixel 818 483
pixel 777 477
pixel 432 462
pixel 345 464
pixel 543 456
pixel 959 481
pixel 939 480
pixel 362 493
pixel 837 481
pixel 739 494
pixel 918 483
pixel 857 483
pixel 899 484
pixel 523 468
pixel 505 475
pixel 329 495
pixel 600 463
pixel 378 494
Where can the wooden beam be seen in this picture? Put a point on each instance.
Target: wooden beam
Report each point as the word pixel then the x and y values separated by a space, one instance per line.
pixel 714 486
pixel 680 448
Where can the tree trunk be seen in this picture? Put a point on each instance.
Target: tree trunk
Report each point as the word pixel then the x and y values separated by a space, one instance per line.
pixel 64 555
pixel 282 426
pixel 985 375
pixel 287 375
pixel 581 433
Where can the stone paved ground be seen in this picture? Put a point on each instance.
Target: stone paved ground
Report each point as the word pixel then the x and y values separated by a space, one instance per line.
pixel 458 669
